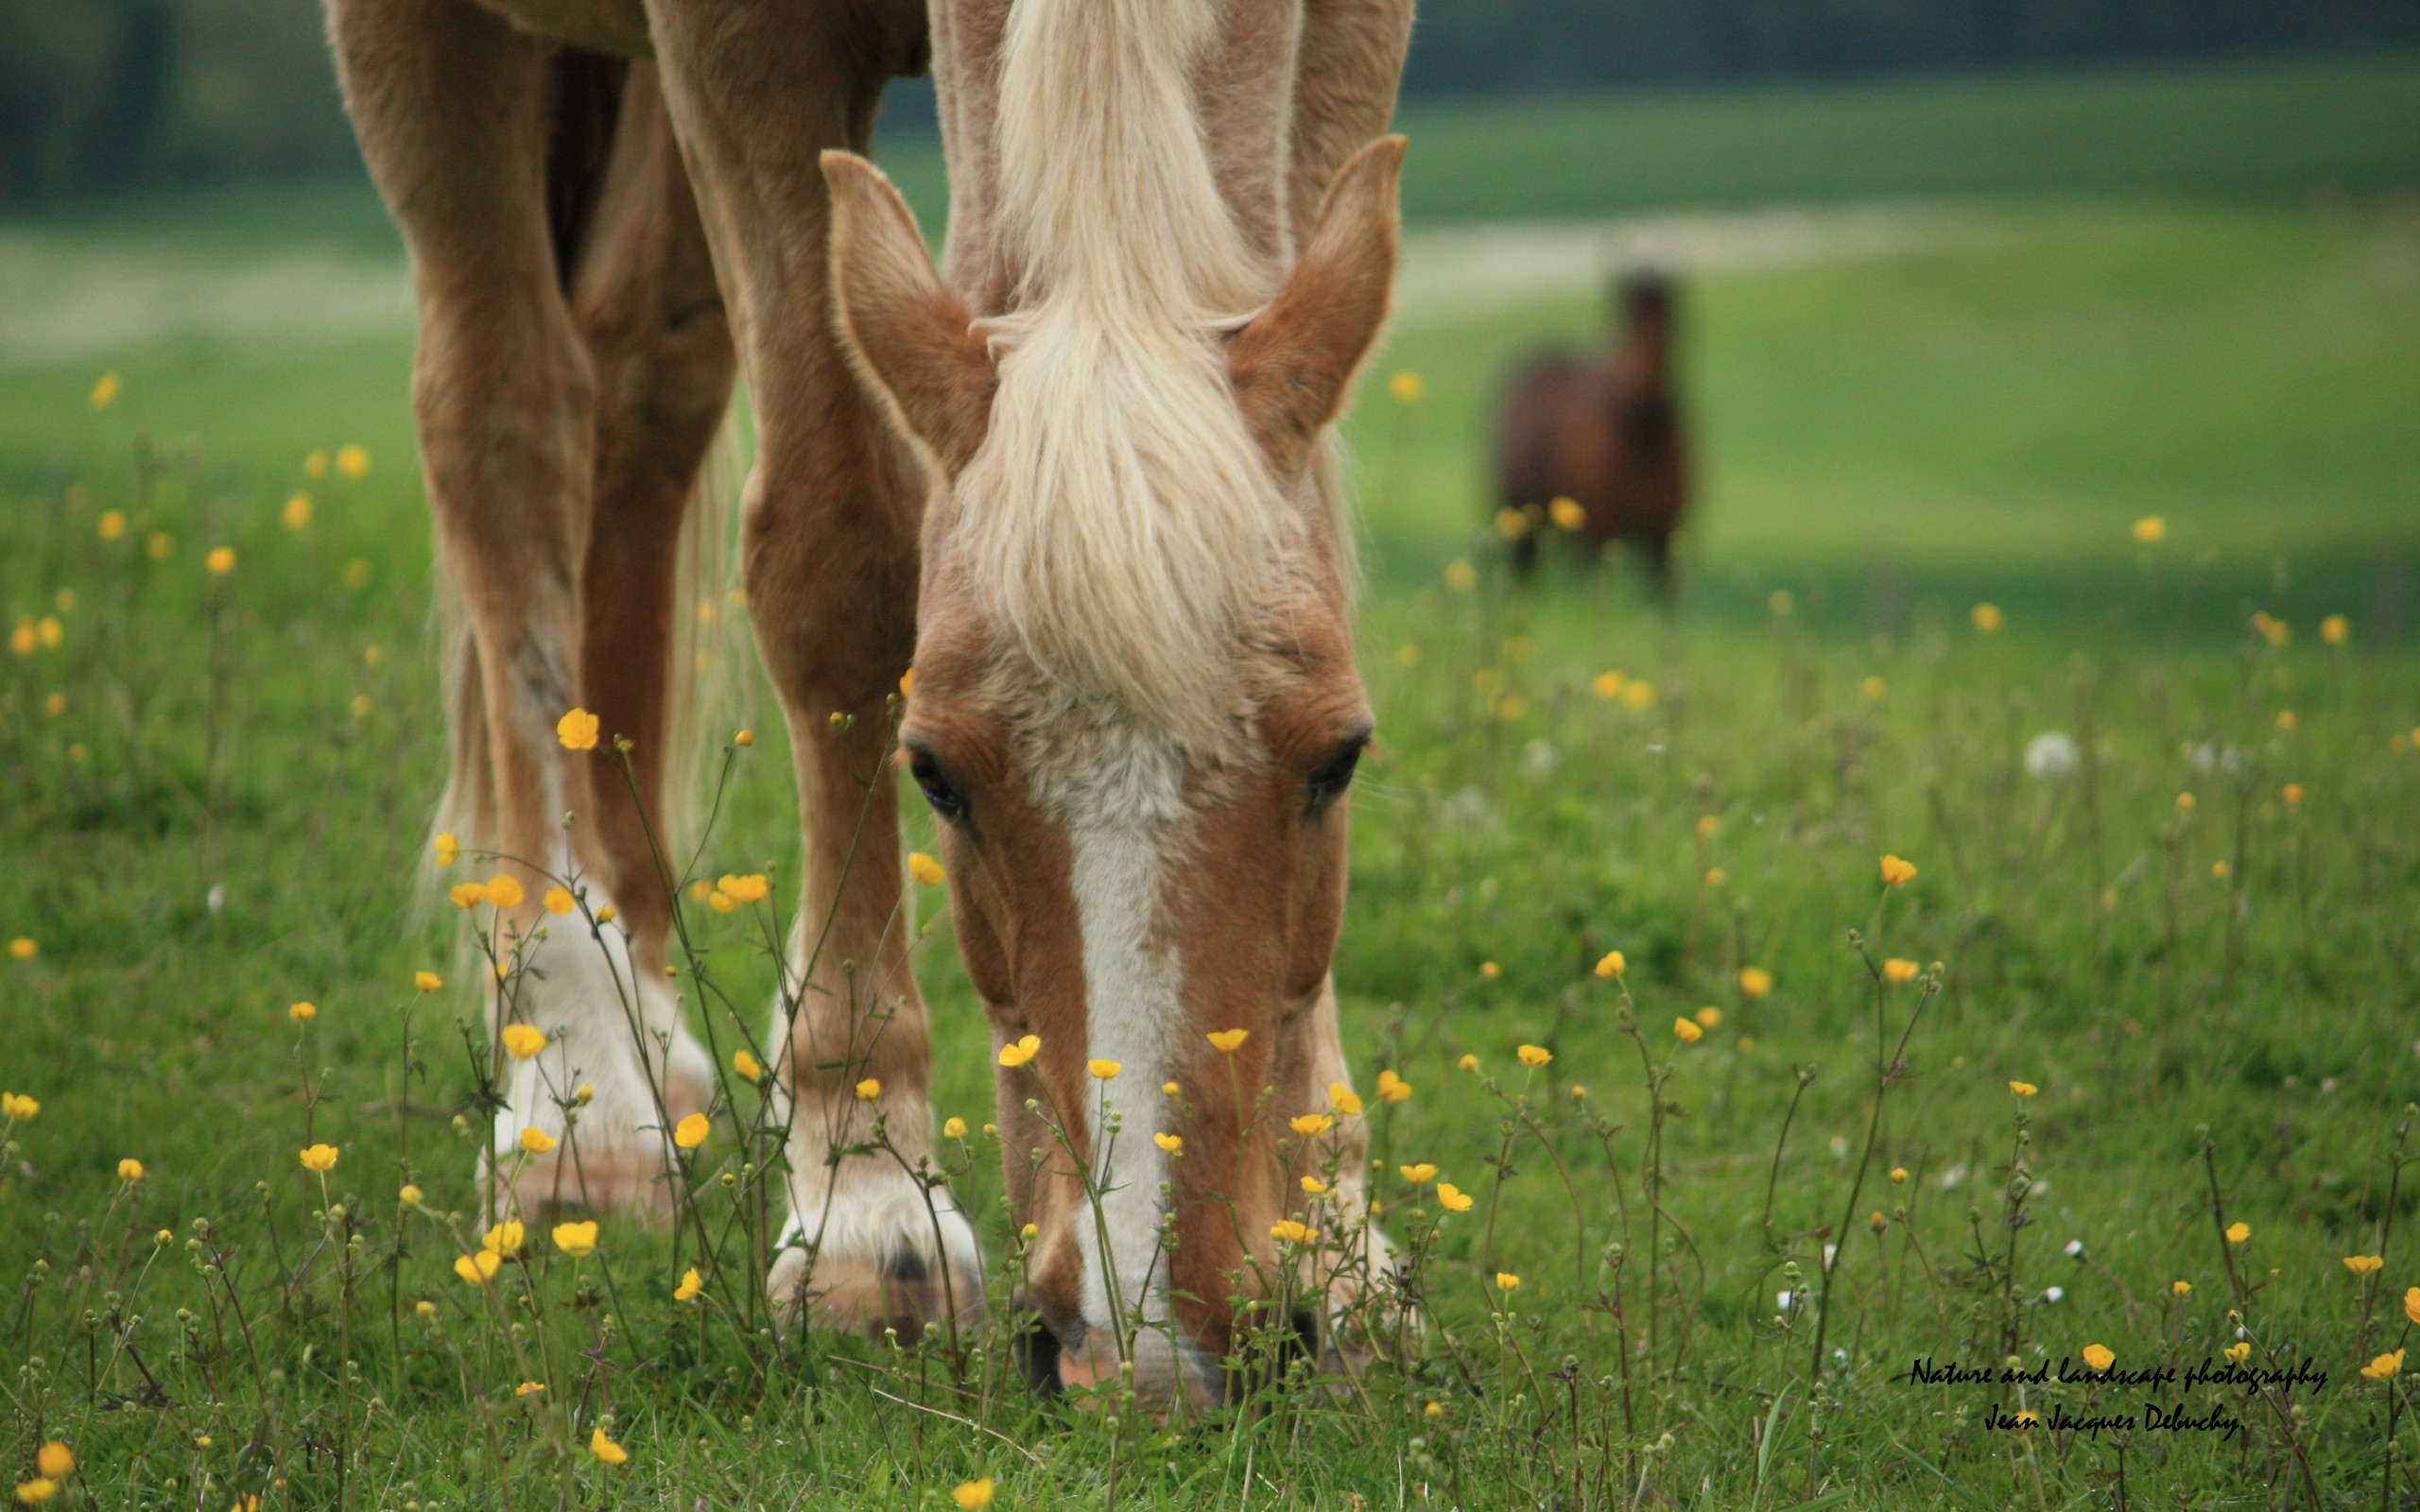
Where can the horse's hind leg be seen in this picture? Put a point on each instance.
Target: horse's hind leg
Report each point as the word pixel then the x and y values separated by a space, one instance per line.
pixel 757 89
pixel 453 109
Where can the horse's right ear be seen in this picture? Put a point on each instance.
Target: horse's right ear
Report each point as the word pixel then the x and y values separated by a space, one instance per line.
pixel 909 334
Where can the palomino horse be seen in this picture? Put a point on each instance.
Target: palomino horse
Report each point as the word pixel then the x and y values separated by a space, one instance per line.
pixel 1084 484
pixel 1603 432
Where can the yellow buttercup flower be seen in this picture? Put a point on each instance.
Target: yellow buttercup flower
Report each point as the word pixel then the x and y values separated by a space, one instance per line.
pixel 302 1012
pixel 521 1040
pixel 748 1065
pixel 576 731
pixel 504 890
pixel 18 1107
pixel 528 1388
pixel 2238 1352
pixel 425 1308
pixel 1896 872
pixel 1406 387
pixel 468 894
pixel 537 1141
pixel 1171 1143
pixel 113 525
pixel 1874 688
pixel 746 737
pixel 2364 1265
pixel 411 1195
pixel 721 901
pixel 1170 1089
pixel 297 513
pixel 691 1284
pixel 1708 1016
pixel 1461 576
pixel 1612 963
pixel 23 948
pixel 1688 1029
pixel 1898 1176
pixel 2098 1356
pixel 1607 686
pixel 1228 1042
pixel 1567 512
pixel 480 1268
pixel 221 562
pixel 1898 972
pixel 2411 1303
pixel 1021 1052
pixel 352 461
pixel 2151 530
pixel 1419 1176
pixel 106 390
pixel 954 1130
pixel 54 1460
pixel 158 545
pixel 1342 1099
pixel 606 1450
pixel 692 1131
pixel 2292 793
pixel 1512 524
pixel 559 901
pixel 447 848
pixel 41 1487
pixel 1293 1233
pixel 1392 1087
pixel 747 889
pixel 1507 1282
pixel 320 1158
pixel 1468 1062
pixel 2384 1366
pixel 1453 1198
pixel 1104 1070
pixel 2022 1088
pixel 505 1238
pixel 1490 970
pixel 2238 1231
pixel 1638 694
pixel 578 1240
pixel 1313 1186
pixel 925 870
pixel 1311 1125
pixel 129 1170
pixel 1989 619
pixel 972 1496
pixel 2186 1288
pixel 869 1090
pixel 1534 1056
pixel 426 981
pixel 1755 981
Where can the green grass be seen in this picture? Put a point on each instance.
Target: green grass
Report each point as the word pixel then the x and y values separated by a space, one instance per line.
pixel 210 828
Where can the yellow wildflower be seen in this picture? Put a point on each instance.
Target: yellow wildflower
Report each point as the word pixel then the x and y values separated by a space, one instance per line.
pixel 972 1496
pixel 1104 1070
pixel 2022 1089
pixel 1419 1176
pixel 1293 1233
pixel 528 1388
pixel 2098 1356
pixel 41 1487
pixel 747 889
pixel 2364 1265
pixel 1313 1186
pixel 1896 872
pixel 54 1460
pixel 2238 1352
pixel 2181 1288
pixel 1407 387
pixel 447 848
pixel 1461 576
pixel 869 1090
pixel 1688 1029
pixel 1755 981
pixel 2185 803
pixel 2384 1368
pixel 1566 513
pixel 1453 1198
pixel 129 1170
pixel 578 1240
pixel 691 1131
pixel 2151 530
pixel 1898 1176
pixel 1343 1099
pixel 297 513
pixel 23 948
pixel 2411 1303
pixel 468 894
pixel 1392 1087
pixel 1507 1282
pixel 302 1012
pixel 480 1268
pixel 537 1141
pixel 1171 1143
pixel 113 525
pixel 750 1068
pixel 721 901
pixel 691 1284
pixel 2238 1231
pixel 1023 1051
pixel 1874 688
pixel 1989 619
pixel 352 461
pixel 18 1107
pixel 576 731
pixel 504 890
pixel 606 1450
pixel 357 574
pixel 221 562
pixel 1612 964
pixel 1468 1062
pixel 1534 1056
pixel 411 1195
pixel 1311 1125
pixel 1898 972
pixel 925 870
pixel 505 1237
pixel 320 1158
pixel 1607 686
pixel 1229 1040
pixel 1489 970
pixel 521 1040
pixel 158 545
pixel 559 901
pixel 1638 693
pixel 746 737
pixel 1709 1016
pixel 2336 630
pixel 105 391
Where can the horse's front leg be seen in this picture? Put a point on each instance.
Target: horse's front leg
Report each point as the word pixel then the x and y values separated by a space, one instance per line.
pixel 757 90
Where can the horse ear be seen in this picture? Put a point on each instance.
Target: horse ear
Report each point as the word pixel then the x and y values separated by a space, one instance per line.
pixel 1292 366
pixel 908 333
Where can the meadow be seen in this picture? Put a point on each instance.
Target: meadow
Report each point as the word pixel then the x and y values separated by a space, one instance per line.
pixel 2127 1063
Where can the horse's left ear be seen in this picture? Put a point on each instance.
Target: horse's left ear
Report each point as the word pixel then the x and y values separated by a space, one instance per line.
pixel 1292 366
pixel 909 334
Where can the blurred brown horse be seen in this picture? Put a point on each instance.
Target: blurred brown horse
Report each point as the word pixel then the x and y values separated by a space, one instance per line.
pixel 1591 446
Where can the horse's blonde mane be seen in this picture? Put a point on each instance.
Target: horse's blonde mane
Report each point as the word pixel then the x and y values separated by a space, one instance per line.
pixel 1119 521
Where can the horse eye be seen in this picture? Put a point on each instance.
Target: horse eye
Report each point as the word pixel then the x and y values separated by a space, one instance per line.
pixel 1337 774
pixel 946 800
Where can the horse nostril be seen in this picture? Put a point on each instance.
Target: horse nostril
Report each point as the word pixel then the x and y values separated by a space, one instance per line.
pixel 1037 1355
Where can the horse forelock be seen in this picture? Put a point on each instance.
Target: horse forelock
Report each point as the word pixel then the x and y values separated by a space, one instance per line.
pixel 1119 524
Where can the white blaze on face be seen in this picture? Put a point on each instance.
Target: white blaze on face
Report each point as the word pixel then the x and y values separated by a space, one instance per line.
pixel 1120 813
